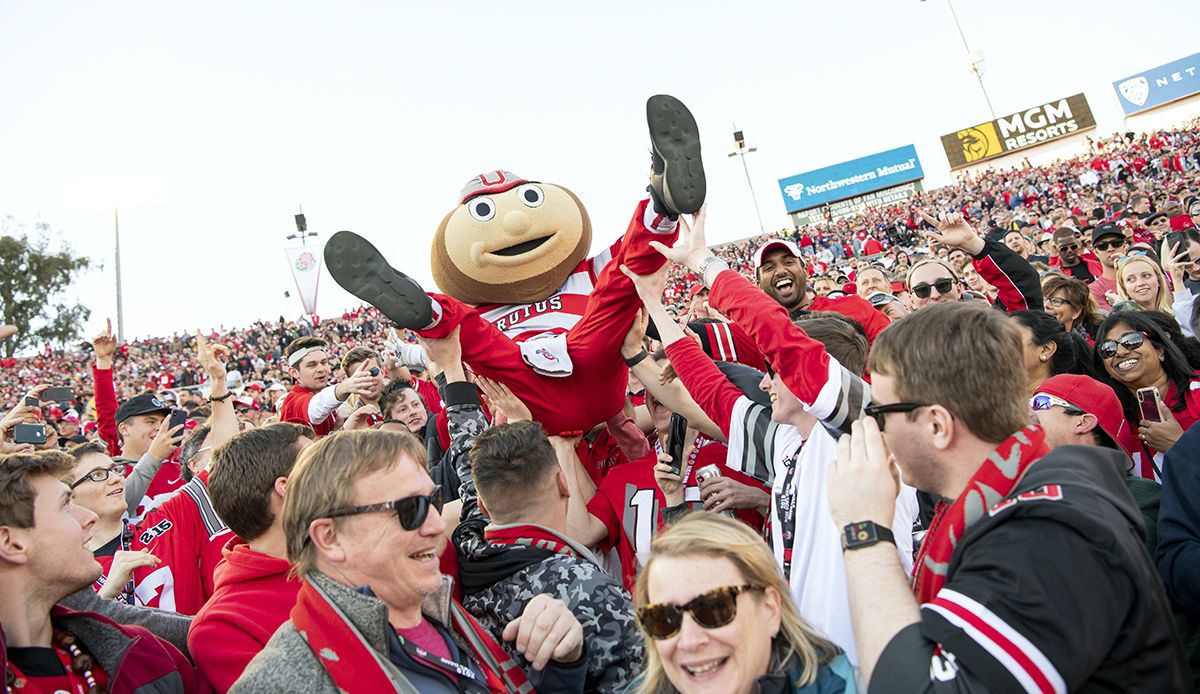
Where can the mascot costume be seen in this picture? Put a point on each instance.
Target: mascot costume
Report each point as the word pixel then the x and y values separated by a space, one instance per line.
pixel 535 313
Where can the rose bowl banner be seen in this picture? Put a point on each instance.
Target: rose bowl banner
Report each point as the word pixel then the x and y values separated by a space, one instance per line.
pixel 1159 85
pixel 306 270
pixel 851 178
pixel 1018 131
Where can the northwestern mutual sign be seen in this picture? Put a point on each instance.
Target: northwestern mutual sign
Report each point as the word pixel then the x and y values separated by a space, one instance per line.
pixel 852 178
pixel 1159 85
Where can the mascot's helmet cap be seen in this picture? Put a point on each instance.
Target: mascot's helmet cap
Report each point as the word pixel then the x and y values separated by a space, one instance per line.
pixel 491 182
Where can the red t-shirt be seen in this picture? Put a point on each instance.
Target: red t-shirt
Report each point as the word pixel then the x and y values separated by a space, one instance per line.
pixel 295 409
pixel 188 538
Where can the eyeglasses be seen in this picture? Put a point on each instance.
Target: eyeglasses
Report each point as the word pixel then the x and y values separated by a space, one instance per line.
pixel 878 411
pixel 1058 302
pixel 1130 341
pixel 1110 245
pixel 100 474
pixel 943 287
pixel 1068 247
pixel 411 510
pixel 1130 256
pixel 710 610
pixel 1041 402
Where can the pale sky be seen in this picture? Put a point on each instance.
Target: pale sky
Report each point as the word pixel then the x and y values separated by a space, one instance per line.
pixel 207 124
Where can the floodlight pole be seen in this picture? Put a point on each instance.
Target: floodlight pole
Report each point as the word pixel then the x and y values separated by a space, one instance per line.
pixel 741 151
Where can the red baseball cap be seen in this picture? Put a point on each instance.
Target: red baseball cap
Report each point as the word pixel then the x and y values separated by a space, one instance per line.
pixel 772 244
pixel 1180 222
pixel 1096 399
pixel 696 289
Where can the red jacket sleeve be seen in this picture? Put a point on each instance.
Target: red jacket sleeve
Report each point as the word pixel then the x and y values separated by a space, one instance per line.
pixel 704 381
pixel 1019 284
pixel 106 408
pixel 829 392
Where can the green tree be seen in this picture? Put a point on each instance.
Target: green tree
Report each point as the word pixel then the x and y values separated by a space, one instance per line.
pixel 33 275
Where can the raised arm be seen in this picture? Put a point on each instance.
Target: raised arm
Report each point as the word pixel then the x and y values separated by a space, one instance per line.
pixel 104 346
pixel 1019 285
pixel 827 389
pixel 212 358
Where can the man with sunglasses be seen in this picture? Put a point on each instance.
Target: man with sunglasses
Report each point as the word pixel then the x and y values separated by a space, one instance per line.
pixel 374 613
pixel 1068 256
pixel 1026 545
pixel 1110 243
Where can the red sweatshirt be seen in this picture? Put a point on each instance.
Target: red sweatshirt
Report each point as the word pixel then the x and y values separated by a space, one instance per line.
pixel 106 409
pixel 253 597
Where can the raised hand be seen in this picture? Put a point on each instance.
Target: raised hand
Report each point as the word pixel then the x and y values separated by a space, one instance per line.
pixel 104 346
pixel 952 229
pixel 502 399
pixel 691 249
pixel 212 357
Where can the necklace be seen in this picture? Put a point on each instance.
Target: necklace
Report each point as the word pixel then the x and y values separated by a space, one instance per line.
pixel 79 664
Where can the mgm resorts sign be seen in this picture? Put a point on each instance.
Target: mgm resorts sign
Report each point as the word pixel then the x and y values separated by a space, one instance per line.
pixel 1018 131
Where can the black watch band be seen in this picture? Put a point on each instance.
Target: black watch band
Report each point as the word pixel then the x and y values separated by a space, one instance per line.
pixel 865 534
pixel 637 358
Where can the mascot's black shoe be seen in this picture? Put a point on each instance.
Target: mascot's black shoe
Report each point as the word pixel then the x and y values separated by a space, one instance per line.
pixel 361 270
pixel 677 177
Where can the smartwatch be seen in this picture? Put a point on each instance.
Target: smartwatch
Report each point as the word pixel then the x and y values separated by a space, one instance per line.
pixel 865 534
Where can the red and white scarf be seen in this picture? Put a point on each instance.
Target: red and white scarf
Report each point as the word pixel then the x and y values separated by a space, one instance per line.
pixel 529 536
pixel 355 666
pixel 993 481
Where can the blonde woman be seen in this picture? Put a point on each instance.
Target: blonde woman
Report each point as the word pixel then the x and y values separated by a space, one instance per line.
pixel 1141 280
pixel 718 617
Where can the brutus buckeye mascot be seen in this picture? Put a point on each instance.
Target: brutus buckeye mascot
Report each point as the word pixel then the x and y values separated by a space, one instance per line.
pixel 535 313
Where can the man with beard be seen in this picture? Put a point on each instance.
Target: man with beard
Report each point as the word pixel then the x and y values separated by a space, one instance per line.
pixel 1077 265
pixel 780 274
pixel 1109 243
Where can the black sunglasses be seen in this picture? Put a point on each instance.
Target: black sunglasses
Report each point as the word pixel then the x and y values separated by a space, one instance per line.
pixel 1109 245
pixel 1130 341
pixel 411 510
pixel 711 610
pixel 878 411
pixel 100 474
pixel 1068 247
pixel 943 286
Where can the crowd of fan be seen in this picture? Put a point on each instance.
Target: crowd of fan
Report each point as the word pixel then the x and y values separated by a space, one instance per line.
pixel 332 504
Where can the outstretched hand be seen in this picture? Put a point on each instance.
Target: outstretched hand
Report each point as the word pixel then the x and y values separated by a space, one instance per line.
pixel 691 248
pixel 953 229
pixel 649 287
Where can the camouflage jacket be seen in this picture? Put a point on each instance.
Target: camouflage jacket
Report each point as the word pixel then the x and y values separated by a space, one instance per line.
pixel 498 580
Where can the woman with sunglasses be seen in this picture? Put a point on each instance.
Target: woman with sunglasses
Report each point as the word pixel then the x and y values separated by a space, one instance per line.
pixel 1070 301
pixel 1136 353
pixel 1049 349
pixel 718 618
pixel 1141 280
pixel 98 484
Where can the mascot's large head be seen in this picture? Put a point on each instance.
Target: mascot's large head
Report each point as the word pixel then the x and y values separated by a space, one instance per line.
pixel 509 241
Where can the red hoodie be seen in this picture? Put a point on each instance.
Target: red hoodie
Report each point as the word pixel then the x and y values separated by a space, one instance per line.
pixel 252 598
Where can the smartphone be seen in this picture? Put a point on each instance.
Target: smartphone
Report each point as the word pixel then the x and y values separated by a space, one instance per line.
pixel 676 440
pixel 29 433
pixel 178 417
pixel 31 401
pixel 58 394
pixel 1148 404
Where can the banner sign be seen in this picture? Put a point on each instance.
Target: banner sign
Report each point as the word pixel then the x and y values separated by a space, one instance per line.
pixel 849 179
pixel 858 204
pixel 306 270
pixel 1159 85
pixel 1018 131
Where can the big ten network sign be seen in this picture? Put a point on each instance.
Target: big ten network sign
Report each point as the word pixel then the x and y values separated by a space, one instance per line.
pixel 852 186
pixel 1017 131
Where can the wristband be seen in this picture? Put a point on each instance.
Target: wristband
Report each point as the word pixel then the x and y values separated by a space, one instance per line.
pixel 637 358
pixel 221 398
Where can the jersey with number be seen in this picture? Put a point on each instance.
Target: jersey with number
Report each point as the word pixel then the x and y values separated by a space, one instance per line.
pixel 630 504
pixel 558 312
pixel 187 537
pixel 165 484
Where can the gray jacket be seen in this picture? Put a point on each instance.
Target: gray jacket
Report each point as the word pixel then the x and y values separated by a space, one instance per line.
pixel 499 580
